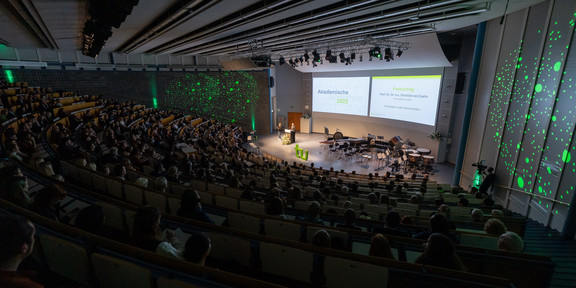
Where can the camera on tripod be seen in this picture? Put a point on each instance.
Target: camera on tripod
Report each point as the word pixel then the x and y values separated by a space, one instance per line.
pixel 480 166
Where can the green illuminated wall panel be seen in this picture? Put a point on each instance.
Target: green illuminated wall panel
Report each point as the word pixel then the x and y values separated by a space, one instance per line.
pixel 533 122
pixel 227 96
pixel 544 99
pixel 556 163
pixel 518 107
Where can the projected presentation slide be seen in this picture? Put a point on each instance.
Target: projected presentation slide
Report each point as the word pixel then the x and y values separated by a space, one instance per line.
pixel 343 95
pixel 406 98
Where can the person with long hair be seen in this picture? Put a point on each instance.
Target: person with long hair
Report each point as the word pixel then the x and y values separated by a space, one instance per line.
pixel 147 234
pixel 439 251
pixel 380 247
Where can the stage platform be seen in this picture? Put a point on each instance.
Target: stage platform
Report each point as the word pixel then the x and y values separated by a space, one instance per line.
pixel 321 156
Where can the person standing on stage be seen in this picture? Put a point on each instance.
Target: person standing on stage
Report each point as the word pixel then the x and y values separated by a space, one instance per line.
pixel 279 130
pixel 292 127
pixel 488 181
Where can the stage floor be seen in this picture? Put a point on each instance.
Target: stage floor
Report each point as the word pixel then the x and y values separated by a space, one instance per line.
pixel 321 157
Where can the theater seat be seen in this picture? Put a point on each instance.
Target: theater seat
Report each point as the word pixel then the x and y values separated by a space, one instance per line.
pixel 286 261
pixel 244 222
pixel 228 248
pixel 112 272
pixel 348 273
pixel 282 229
pixel 163 282
pixel 67 259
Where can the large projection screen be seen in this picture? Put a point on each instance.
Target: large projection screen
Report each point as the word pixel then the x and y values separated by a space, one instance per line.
pixel 406 98
pixel 341 95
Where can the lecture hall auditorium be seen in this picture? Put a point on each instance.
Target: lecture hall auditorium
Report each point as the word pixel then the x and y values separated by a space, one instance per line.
pixel 287 143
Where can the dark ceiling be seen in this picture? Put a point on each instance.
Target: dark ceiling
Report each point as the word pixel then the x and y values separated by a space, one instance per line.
pixel 233 27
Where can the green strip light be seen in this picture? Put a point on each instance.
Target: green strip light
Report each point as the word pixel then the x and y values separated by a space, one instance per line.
pixel 9 76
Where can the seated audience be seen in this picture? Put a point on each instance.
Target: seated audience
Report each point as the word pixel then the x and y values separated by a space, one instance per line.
pixel 321 238
pixel 47 202
pixel 511 242
pixel 16 191
pixel 494 226
pixel 16 243
pixel 380 247
pixel 438 224
pixel 477 216
pixel 92 220
pixel 276 207
pixel 392 225
pixel 439 251
pixel 147 235
pixel 197 248
pixel 313 215
pixel 349 219
pixel 191 207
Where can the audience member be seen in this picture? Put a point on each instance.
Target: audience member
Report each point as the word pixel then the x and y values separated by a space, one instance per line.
pixel 16 243
pixel 439 251
pixel 191 207
pixel 147 235
pixel 380 247
pixel 197 248
pixel 92 219
pixel 16 191
pixel 392 225
pixel 313 215
pixel 276 207
pixel 47 202
pixel 349 219
pixel 494 226
pixel 321 238
pixel 438 224
pixel 477 215
pixel 511 242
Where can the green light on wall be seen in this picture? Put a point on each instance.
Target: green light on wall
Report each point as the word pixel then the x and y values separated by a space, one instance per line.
pixel 155 102
pixel 9 76
pixel 477 180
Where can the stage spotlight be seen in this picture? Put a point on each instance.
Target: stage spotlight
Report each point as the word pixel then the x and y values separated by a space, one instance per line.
pixel 328 54
pixel 282 60
pixel 342 57
pixel 388 54
pixel 316 56
pixel 399 53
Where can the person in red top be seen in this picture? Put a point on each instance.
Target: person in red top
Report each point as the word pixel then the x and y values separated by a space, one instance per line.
pixel 16 243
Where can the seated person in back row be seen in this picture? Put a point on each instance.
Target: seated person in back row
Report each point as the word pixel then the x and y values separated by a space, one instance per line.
pixel 349 219
pixel 391 228
pixel 16 243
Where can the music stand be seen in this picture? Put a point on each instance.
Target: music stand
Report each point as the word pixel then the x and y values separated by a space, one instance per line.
pixel 326 133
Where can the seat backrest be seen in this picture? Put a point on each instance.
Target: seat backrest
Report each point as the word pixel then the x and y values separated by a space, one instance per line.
pixel 252 207
pixel 479 241
pixel 226 247
pixel 286 261
pixel 163 282
pixel 282 229
pixel 114 187
pixel 349 273
pixel 226 202
pixel 244 222
pixel 114 216
pixel 99 182
pixel 67 259
pixel 134 194
pixel 334 234
pixel 156 199
pixel 112 272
